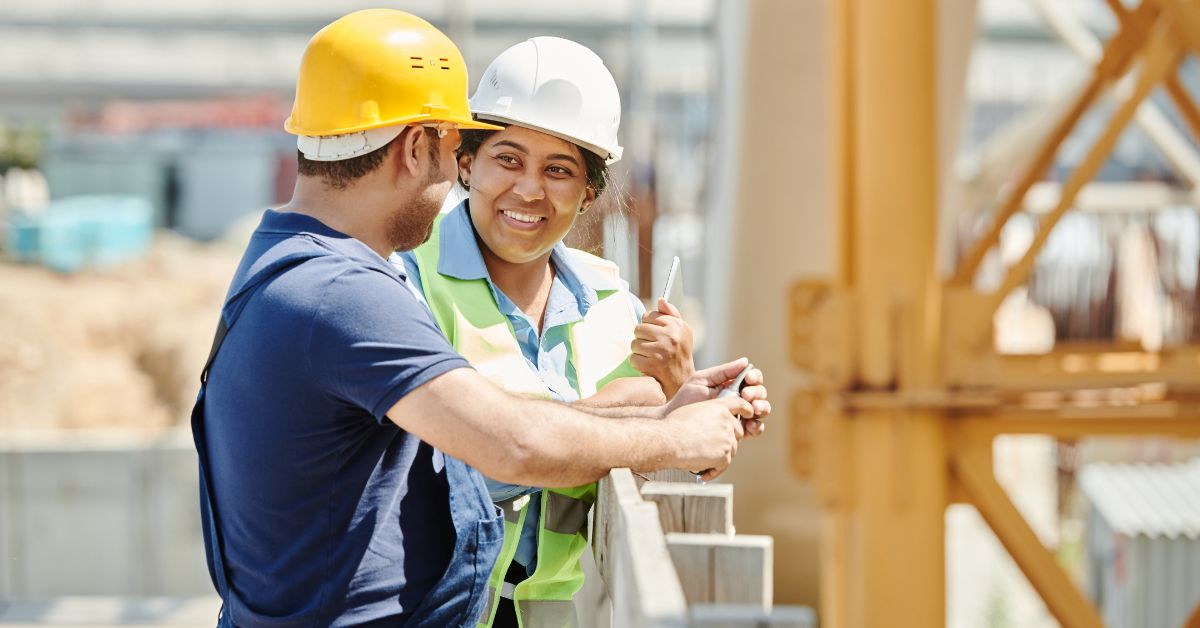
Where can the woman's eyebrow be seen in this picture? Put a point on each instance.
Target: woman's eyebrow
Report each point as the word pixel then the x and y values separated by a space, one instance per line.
pixel 564 157
pixel 512 144
pixel 559 156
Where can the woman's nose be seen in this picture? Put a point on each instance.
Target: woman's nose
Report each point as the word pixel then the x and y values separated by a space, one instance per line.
pixel 529 187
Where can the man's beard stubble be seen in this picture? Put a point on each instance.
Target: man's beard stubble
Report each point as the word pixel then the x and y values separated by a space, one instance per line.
pixel 412 224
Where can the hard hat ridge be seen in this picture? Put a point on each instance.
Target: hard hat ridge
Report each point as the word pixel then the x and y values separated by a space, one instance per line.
pixel 367 75
pixel 556 86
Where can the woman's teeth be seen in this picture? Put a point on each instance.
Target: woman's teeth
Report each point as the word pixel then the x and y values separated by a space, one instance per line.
pixel 523 217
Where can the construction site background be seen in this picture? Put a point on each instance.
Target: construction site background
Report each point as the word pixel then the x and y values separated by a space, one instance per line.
pixel 139 145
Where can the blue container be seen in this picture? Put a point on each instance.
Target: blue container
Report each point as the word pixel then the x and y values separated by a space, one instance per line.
pixel 62 242
pixel 84 232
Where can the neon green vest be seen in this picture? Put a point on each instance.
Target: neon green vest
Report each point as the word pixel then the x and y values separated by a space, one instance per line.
pixel 598 347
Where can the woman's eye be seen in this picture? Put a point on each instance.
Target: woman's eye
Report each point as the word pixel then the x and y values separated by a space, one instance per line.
pixel 558 170
pixel 507 159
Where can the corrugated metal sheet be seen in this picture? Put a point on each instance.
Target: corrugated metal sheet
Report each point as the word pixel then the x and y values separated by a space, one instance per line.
pixel 1143 542
pixel 1146 499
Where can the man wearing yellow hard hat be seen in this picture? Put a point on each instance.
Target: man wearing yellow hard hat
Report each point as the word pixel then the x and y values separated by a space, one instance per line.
pixel 335 424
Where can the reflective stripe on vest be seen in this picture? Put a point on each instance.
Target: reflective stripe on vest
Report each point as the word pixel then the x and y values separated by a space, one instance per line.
pixel 565 515
pixel 547 613
pixel 598 347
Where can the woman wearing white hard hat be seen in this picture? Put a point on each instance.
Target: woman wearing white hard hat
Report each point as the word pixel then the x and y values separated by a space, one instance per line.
pixel 538 317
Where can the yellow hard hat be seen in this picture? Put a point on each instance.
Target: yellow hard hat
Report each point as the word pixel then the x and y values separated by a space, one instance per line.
pixel 373 69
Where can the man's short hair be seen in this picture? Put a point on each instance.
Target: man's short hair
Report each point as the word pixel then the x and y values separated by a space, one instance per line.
pixel 340 174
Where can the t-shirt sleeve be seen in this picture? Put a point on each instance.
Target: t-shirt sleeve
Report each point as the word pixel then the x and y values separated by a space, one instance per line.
pixel 373 342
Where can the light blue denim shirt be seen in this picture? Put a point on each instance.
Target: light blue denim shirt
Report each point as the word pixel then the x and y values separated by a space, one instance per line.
pixel 572 293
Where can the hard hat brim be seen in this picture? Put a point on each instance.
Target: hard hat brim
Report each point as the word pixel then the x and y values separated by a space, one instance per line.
pixel 476 124
pixel 610 155
pixel 461 123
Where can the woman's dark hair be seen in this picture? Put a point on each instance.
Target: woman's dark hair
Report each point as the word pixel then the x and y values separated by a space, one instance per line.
pixel 593 164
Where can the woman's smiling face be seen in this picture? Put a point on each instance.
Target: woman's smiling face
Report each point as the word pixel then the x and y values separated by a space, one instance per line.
pixel 527 188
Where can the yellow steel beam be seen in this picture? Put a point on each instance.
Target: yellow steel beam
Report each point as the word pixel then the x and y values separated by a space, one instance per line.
pixel 1161 55
pixel 1117 54
pixel 1185 21
pixel 1184 103
pixel 893 203
pixel 1179 95
pixel 974 471
pixel 1074 367
pixel 1193 620
pixel 1131 422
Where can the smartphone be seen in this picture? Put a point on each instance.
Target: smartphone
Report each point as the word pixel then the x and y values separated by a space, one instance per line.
pixel 673 292
pixel 735 387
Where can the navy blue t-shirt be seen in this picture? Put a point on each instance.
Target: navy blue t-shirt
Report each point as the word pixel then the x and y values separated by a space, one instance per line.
pixel 330 513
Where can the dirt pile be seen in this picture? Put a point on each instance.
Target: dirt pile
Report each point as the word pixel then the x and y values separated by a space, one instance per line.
pixel 118 348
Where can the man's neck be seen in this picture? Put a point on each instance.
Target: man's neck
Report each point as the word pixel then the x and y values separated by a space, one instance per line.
pixel 348 211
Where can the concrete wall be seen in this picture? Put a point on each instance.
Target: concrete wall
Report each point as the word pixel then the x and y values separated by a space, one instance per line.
pixel 100 514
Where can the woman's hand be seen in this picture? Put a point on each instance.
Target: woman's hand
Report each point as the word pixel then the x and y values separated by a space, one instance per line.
pixel 662 347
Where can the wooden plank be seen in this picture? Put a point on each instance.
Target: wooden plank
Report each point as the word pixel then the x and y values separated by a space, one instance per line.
pixel 632 557
pixel 747 616
pixel 721 569
pixel 694 564
pixel 698 508
pixel 672 475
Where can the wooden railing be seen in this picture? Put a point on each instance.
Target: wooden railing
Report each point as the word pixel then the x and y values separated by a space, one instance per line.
pixel 668 556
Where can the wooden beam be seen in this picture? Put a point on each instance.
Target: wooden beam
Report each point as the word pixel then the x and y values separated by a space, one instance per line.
pixel 1064 600
pixel 697 508
pixel 721 569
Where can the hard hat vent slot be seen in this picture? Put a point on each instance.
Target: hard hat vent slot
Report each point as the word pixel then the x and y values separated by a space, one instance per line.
pixel 419 62
pixel 445 63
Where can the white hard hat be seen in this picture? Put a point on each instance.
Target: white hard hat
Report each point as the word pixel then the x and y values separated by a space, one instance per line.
pixel 556 86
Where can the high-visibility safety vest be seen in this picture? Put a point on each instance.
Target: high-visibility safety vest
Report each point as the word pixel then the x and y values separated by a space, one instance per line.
pixel 598 347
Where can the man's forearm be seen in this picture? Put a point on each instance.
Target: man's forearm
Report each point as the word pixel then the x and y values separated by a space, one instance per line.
pixel 612 410
pixel 555 458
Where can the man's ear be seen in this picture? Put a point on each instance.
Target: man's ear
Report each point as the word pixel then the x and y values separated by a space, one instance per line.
pixel 408 151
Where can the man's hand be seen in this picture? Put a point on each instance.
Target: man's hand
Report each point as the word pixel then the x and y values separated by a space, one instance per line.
pixel 707 434
pixel 704 384
pixel 662 347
